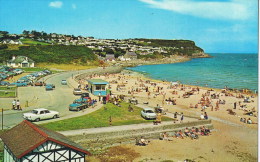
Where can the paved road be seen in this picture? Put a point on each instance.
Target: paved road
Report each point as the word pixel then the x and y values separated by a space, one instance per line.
pixel 37 97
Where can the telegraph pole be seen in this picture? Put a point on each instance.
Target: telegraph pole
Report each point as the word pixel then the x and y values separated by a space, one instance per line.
pixel 2 119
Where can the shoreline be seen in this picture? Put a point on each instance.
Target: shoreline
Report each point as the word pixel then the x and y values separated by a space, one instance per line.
pixel 167 60
pixel 228 128
pixel 136 74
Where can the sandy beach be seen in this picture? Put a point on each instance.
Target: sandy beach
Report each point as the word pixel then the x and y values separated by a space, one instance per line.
pixel 230 140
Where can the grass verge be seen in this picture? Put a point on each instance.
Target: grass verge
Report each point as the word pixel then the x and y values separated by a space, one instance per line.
pixel 7 91
pixel 101 117
pixel 66 67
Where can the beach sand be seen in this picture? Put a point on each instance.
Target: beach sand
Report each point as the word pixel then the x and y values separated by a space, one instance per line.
pixel 231 140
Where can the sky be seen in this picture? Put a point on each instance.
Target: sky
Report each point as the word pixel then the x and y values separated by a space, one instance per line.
pixel 217 26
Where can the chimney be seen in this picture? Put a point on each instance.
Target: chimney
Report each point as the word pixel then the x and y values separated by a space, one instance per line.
pixel 26 58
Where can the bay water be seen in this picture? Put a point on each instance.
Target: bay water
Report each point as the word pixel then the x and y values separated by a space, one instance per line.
pixel 236 71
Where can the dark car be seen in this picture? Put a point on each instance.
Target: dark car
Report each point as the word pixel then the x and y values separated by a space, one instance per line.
pixel 85 95
pixel 4 83
pixel 49 87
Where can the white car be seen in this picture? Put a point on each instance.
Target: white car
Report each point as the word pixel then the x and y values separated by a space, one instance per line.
pixel 40 114
pixel 148 113
pixel 77 91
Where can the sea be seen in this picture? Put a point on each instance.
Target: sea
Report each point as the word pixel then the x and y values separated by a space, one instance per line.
pixel 236 71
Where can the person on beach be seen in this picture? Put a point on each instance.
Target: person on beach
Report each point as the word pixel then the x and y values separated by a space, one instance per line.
pixel 18 105
pixel 202 116
pixel 14 104
pixel 205 116
pixel 235 105
pixel 182 117
pixel 217 106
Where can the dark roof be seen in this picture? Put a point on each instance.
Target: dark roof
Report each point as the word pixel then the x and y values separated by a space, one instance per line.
pixel 110 56
pixel 130 54
pixel 27 136
pixel 19 59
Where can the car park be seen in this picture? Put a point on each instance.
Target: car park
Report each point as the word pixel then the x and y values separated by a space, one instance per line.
pixel 148 113
pixel 4 83
pixel 77 91
pixel 40 114
pixel 64 82
pixel 19 83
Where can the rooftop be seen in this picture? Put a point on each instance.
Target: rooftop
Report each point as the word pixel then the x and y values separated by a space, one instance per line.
pixel 97 81
pixel 27 136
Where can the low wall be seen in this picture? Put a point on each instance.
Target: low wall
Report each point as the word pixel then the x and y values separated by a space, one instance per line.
pixel 98 141
pixel 116 69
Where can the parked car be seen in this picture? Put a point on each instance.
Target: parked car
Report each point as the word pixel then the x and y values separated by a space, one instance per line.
pixel 47 71
pixel 18 71
pixel 19 83
pixel 148 113
pixel 64 82
pixel 77 91
pixel 40 114
pixel 4 83
pixel 39 83
pixel 49 87
pixel 78 104
pixel 85 95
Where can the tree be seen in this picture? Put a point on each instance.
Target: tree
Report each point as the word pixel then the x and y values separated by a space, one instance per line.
pixel 26 33
pixel 3 46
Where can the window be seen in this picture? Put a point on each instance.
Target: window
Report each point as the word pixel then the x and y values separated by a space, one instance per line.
pixel 42 112
pixel 100 87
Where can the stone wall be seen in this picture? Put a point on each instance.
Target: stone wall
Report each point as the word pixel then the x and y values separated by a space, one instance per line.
pixel 100 71
pixel 96 142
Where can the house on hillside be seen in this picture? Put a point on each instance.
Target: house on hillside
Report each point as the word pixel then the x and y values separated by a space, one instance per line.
pixel 20 61
pixel 131 55
pixel 122 58
pixel 28 142
pixel 110 57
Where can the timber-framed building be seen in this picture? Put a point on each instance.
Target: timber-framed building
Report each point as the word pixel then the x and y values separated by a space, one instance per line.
pixel 28 142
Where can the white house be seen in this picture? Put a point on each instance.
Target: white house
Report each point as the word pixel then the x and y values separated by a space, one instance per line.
pixel 28 142
pixel 122 58
pixel 20 61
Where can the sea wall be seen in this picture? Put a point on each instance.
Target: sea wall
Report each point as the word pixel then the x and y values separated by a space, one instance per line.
pixel 100 140
pixel 110 69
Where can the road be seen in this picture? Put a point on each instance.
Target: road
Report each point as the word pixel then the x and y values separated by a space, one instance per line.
pixel 38 97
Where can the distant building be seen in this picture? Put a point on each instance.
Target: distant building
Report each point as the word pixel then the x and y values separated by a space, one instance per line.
pixel 110 57
pixel 122 58
pixel 20 61
pixel 28 142
pixel 131 55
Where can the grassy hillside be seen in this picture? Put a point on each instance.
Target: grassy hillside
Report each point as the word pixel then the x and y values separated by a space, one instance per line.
pixel 33 42
pixel 179 47
pixel 58 54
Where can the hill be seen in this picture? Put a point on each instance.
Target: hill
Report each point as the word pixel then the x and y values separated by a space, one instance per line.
pixel 179 47
pixel 59 54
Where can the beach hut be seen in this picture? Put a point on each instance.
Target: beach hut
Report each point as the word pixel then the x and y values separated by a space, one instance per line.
pixel 29 142
pixel 97 86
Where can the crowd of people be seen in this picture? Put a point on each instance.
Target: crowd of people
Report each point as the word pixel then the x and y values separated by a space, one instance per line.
pixel 192 133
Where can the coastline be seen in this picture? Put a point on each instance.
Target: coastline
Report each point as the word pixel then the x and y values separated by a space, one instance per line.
pixel 166 60
pixel 230 137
